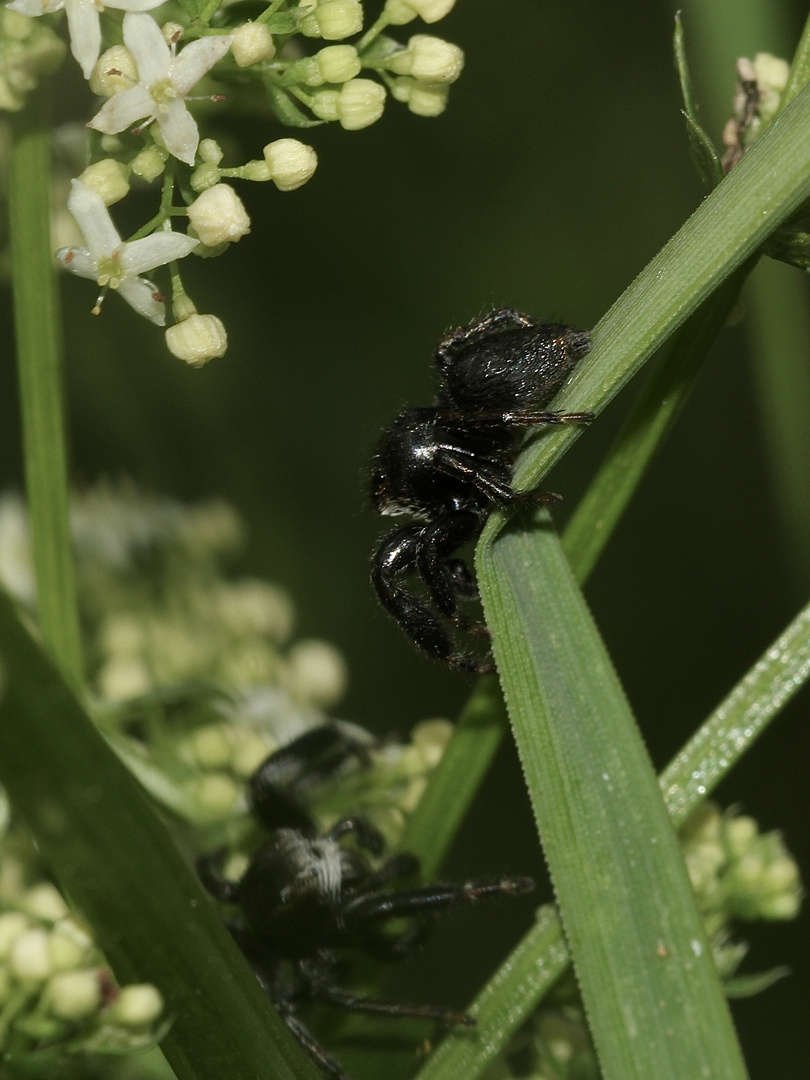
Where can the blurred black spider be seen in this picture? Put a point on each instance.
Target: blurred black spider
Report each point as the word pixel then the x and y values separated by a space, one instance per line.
pixel 450 464
pixel 305 898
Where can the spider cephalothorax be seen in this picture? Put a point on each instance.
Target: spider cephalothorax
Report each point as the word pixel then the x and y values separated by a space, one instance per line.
pixel 307 900
pixel 449 464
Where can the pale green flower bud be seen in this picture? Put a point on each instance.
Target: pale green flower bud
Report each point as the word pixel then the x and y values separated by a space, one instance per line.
pixel 740 833
pixel 248 753
pixel 781 906
pixel 218 216
pixel 115 70
pixel 215 795
pixel 29 957
pixel 291 163
pixel 431 737
pixel 254 607
pixel 317 672
pixel 428 59
pixel 197 339
pixel 333 20
pixel 209 747
pixel 123 677
pixel 148 164
pixel 305 71
pixel 360 102
pixel 108 178
pixel 172 32
pixel 338 63
pixel 400 12
pixel 28 49
pixel 137 1006
pixel 252 43
pixel 205 176
pixel 427 100
pixel 324 105
pixel 12 925
pixel 44 901
pixel 69 946
pixel 73 995
pixel 209 150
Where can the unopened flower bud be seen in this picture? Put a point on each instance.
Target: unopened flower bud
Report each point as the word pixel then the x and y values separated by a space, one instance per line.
pixel 12 925
pixel 137 1006
pixel 115 70
pixel 69 946
pixel 400 12
pixel 258 171
pixel 123 677
pixel 741 831
pixel 210 150
pixel 324 105
pixel 108 178
pixel 148 164
pixel 205 176
pixel 197 339
pixel 252 43
pixel 431 737
pixel 428 59
pixel 425 99
pixel 215 795
pixel 29 957
pixel 44 901
pixel 338 63
pixel 73 995
pixel 209 747
pixel 333 20
pixel 317 672
pixel 360 102
pixel 218 216
pixel 172 32
pixel 291 163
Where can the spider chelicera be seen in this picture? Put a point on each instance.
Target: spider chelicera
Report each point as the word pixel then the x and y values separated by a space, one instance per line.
pixel 450 464
pixel 305 899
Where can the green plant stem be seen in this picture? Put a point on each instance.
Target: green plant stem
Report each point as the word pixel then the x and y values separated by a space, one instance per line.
pixel 39 361
pixel 799 75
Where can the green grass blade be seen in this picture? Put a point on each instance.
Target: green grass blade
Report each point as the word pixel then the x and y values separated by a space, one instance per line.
pixel 650 421
pixel 772 179
pixel 648 981
pixel 692 775
pixel 453 784
pixel 116 861
pixel 39 362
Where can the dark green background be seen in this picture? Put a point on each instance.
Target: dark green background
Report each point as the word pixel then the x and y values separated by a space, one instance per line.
pixel 558 170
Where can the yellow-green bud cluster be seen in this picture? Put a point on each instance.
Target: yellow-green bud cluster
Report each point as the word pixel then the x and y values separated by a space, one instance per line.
pixel 738 872
pixel 28 49
pixel 54 986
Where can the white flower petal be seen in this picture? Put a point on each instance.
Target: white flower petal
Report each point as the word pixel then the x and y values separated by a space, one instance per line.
pixel 196 59
pixel 123 110
pixel 179 131
pixel 85 33
pixel 145 298
pixel 155 250
pixel 33 8
pixel 133 5
pixel 94 220
pixel 78 261
pixel 147 44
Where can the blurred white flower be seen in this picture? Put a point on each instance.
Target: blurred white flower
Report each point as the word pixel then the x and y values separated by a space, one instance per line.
pixel 110 262
pixel 165 80
pixel 83 22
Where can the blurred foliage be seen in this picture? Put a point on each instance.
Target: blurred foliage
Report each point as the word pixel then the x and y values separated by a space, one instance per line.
pixel 564 136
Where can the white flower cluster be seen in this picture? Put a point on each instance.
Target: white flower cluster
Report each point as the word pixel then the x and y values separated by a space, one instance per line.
pixel 147 75
pixel 54 987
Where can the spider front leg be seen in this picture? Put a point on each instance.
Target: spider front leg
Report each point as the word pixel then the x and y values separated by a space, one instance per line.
pixel 395 559
pixel 449 581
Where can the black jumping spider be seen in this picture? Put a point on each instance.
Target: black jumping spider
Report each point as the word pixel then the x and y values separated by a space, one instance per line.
pixel 305 898
pixel 450 464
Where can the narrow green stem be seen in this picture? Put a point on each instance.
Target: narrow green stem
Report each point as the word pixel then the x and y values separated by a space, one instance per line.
pixel 799 69
pixel 39 360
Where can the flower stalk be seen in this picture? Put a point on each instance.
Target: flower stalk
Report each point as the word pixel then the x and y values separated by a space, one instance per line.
pixel 39 361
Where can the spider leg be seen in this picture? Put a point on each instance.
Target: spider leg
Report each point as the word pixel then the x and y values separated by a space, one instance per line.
pixel 446 580
pixel 344 999
pixel 430 900
pixel 322 1058
pixel 368 836
pixel 478 330
pixel 496 418
pixel 278 787
pixel 395 558
pixel 489 477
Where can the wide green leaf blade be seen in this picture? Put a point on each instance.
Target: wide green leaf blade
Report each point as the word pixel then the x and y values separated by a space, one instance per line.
pixel 648 981
pixel 117 863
